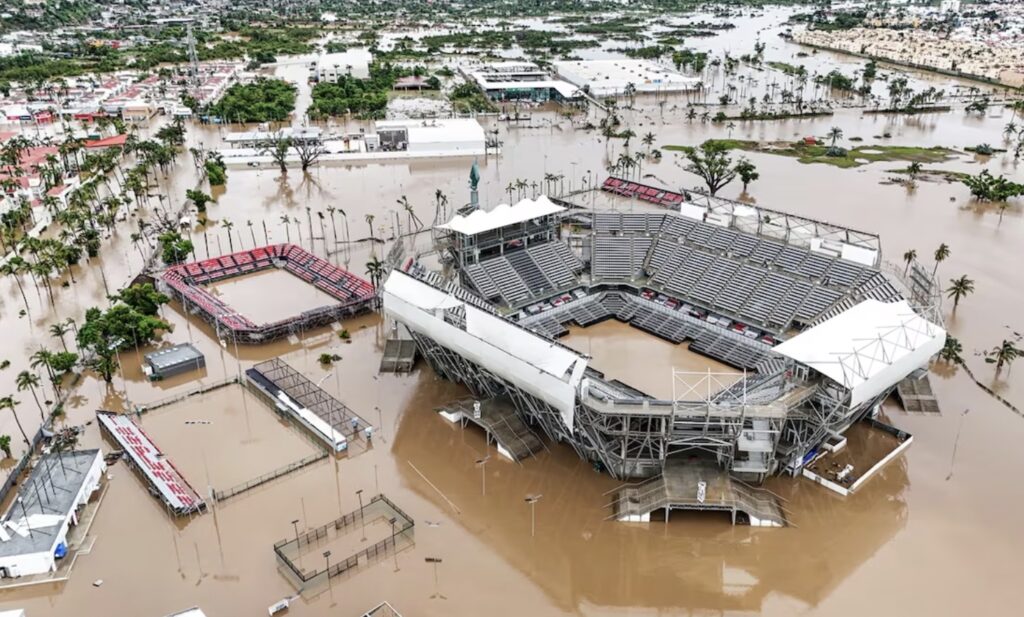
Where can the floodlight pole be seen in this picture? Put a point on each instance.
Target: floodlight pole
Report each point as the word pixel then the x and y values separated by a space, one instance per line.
pixel 362 520
pixel 394 545
pixel 437 587
pixel 482 464
pixel 532 500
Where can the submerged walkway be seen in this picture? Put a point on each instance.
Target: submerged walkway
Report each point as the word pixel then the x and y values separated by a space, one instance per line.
pixel 502 424
pixel 686 485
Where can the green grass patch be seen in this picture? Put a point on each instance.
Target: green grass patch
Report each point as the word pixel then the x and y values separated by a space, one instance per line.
pixel 856 157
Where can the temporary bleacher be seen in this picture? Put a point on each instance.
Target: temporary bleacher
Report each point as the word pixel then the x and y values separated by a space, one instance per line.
pixel 650 194
pixel 188 282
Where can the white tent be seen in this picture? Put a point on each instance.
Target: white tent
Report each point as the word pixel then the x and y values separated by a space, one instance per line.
pixel 868 348
pixel 480 221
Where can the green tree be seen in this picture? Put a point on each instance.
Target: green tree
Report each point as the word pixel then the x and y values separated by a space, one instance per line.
pixel 143 297
pixel 747 172
pixel 199 198
pixel 952 351
pixel 8 402
pixel 959 288
pixel 1003 355
pixel 375 270
pixel 710 161
pixel 941 254
pixel 30 381
pixel 5 445
pixel 173 248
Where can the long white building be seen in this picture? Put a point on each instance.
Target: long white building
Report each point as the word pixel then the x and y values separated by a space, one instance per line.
pixel 611 77
pixel 35 527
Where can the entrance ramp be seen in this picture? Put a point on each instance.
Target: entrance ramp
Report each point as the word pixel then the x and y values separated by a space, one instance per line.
pixel 499 419
pixel 703 486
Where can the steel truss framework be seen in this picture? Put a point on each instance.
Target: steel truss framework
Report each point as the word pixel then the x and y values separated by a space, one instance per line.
pixel 765 423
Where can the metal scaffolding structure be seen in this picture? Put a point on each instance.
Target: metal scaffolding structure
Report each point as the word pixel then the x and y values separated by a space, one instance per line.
pixel 769 419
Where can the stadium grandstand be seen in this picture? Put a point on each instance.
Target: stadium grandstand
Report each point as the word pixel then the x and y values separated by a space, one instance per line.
pixel 819 328
pixel 187 282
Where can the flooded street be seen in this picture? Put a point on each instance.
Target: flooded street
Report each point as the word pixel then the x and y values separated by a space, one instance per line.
pixel 929 535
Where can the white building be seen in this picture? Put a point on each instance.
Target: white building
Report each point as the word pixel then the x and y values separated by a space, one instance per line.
pixel 611 77
pixel 451 137
pixel 330 67
pixel 34 530
pixel 502 81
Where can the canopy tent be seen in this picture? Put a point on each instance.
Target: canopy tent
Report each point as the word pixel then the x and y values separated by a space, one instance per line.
pixel 868 348
pixel 503 215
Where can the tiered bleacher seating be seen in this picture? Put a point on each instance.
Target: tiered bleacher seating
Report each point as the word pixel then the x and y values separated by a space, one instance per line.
pixel 651 194
pixel 189 280
pixel 510 285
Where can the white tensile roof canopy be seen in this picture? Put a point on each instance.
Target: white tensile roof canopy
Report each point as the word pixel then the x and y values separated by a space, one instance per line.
pixel 480 221
pixel 868 348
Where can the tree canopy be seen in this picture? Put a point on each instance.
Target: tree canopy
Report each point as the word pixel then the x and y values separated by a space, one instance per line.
pixel 264 100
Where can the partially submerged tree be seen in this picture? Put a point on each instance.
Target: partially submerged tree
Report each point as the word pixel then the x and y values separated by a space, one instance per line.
pixel 711 162
pixel 747 172
pixel 959 288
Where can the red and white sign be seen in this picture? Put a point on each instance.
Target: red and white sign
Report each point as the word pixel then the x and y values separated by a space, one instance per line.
pixel 175 491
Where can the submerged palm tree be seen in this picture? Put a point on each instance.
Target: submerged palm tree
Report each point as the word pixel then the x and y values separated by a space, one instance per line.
pixel 8 402
pixel 375 270
pixel 959 288
pixel 909 257
pixel 835 133
pixel 1003 355
pixel 30 381
pixel 941 254
pixel 951 351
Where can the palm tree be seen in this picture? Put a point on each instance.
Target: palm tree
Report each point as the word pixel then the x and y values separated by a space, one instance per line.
pixel 375 270
pixel 835 133
pixel 941 254
pixel 58 330
pixel 369 222
pixel 227 226
pixel 959 288
pixel 8 402
pixel 648 140
pixel 909 257
pixel 1004 354
pixel 43 357
pixel 285 219
pixel 913 170
pixel 951 351
pixel 30 381
pixel 1009 130
pixel 14 267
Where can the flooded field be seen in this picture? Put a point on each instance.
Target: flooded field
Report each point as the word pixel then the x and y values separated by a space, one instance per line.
pixel 224 438
pixel 638 359
pixel 923 537
pixel 270 295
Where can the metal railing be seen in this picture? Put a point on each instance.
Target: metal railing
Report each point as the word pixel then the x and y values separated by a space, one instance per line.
pixel 267 477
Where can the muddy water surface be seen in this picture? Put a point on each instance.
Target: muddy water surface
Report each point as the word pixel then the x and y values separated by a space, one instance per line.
pixel 930 535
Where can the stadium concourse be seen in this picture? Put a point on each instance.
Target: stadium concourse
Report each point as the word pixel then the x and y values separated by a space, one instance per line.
pixel 820 327
pixel 187 282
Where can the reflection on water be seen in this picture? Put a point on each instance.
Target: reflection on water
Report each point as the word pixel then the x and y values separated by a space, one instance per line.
pixel 928 545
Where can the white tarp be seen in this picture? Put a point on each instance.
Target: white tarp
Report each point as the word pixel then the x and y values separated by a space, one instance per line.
pixel 532 363
pixel 480 221
pixel 868 348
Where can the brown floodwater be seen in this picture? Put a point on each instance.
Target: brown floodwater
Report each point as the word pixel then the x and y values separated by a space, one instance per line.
pixel 930 535
pixel 270 295
pixel 641 360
